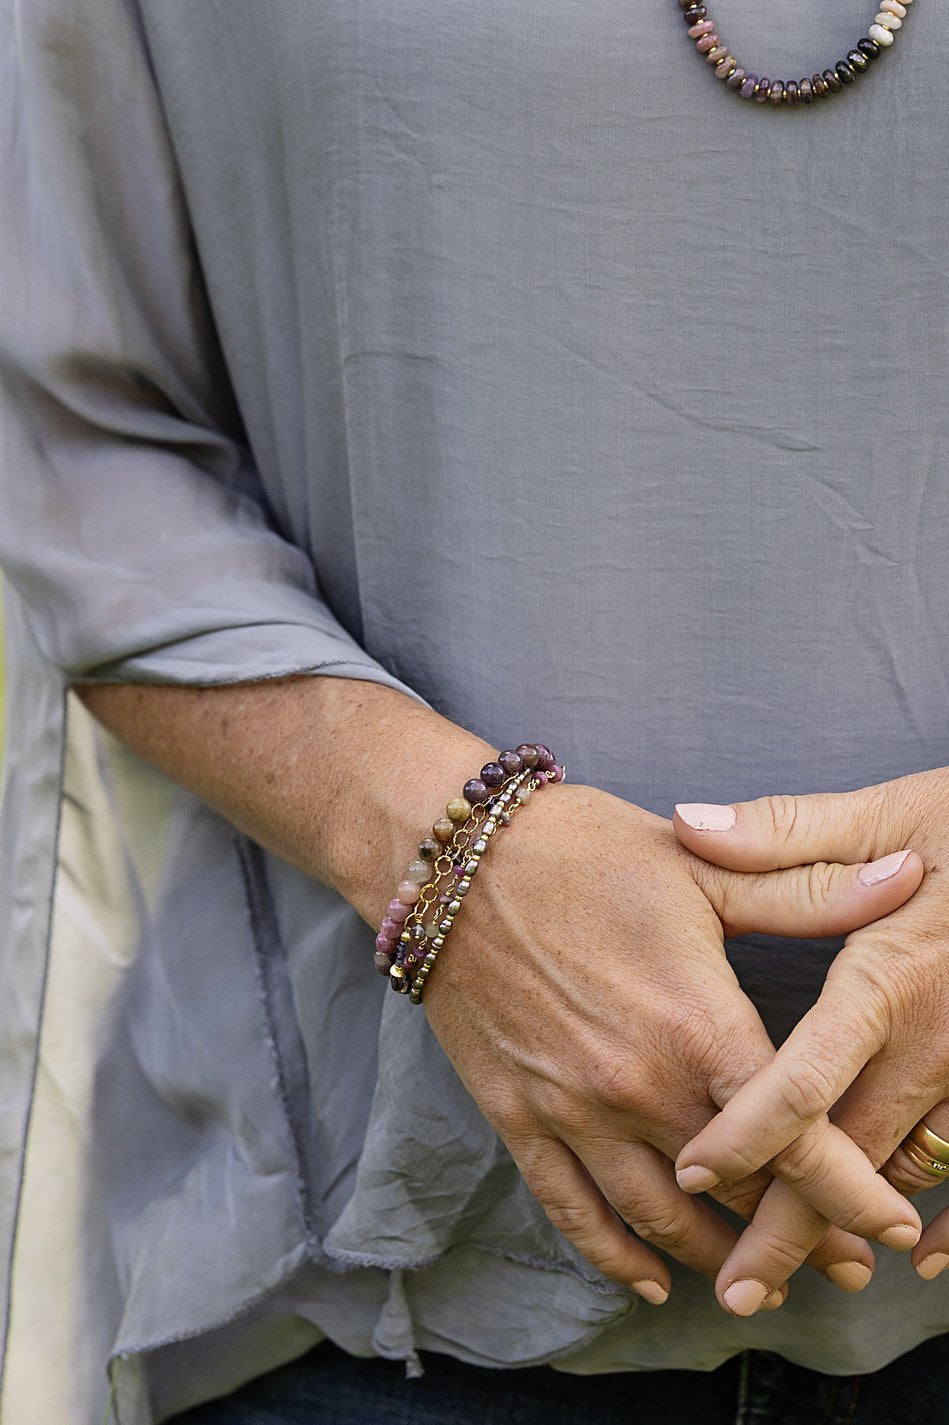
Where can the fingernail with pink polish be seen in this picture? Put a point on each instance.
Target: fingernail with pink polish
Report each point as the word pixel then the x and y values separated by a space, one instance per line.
pixel 932 1265
pixel 744 1298
pixel 900 1237
pixel 876 871
pixel 651 1291
pixel 707 816
pixel 696 1179
pixel 849 1276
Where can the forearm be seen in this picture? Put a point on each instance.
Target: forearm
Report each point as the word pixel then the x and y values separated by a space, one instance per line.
pixel 339 776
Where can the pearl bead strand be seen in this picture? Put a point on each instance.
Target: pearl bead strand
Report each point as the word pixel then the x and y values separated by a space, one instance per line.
pixel 710 45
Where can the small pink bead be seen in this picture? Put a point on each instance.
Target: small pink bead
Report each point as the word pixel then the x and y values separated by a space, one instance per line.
pixel 396 910
pixel 556 773
pixel 541 778
pixel 706 43
pixel 390 927
pixel 408 892
pixel 704 27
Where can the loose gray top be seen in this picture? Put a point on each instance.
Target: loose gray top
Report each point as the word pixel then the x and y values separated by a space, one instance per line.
pixel 495 352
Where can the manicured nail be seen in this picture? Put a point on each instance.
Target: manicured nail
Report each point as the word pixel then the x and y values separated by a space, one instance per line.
pixel 932 1265
pixel 876 871
pixel 707 816
pixel 776 1299
pixel 696 1179
pixel 901 1237
pixel 849 1276
pixel 652 1292
pixel 746 1297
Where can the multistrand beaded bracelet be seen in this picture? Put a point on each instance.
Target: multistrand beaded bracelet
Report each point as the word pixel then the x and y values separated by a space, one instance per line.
pixel 714 50
pixel 439 878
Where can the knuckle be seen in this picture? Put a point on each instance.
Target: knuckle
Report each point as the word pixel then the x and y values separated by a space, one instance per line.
pixel 802 1164
pixel 614 1083
pixel 782 812
pixel 780 1256
pixel 907 1178
pixel 805 1089
pixel 665 1227
pixel 576 1220
pixel 819 883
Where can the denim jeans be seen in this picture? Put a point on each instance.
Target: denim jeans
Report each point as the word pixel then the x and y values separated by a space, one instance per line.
pixel 327 1387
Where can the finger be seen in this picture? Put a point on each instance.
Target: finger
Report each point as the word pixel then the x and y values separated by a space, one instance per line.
pixel 820 899
pixel 845 1260
pixel 787 1227
pixel 637 1179
pixel 888 1099
pixel 817 1062
pixel 578 1209
pixel 932 1254
pixel 775 831
pixel 784 1232
pixel 903 1168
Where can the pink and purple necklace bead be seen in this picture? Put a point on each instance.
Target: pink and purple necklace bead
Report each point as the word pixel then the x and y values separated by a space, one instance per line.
pixel 713 49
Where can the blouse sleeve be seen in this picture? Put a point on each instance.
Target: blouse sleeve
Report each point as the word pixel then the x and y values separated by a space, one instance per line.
pixel 133 525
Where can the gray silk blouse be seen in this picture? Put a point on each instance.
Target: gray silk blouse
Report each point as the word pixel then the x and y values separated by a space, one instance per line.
pixel 494 352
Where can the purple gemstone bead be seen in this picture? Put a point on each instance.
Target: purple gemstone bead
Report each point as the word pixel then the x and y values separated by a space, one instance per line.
pixel 493 774
pixel 511 763
pixel 397 911
pixel 748 86
pixel 704 27
pixel 764 90
pixel 391 928
pixel 707 42
pixel 384 942
pixel 556 773
pixel 736 79
pixel 541 778
pixel 475 791
pixel 528 754
pixel 545 758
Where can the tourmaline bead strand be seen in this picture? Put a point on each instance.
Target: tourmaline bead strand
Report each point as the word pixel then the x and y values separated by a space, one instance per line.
pixel 791 92
pixel 422 911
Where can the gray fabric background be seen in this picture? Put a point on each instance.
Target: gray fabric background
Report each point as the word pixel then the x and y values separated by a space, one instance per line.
pixel 495 352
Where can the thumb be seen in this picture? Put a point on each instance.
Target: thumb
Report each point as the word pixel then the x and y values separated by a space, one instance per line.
pixel 824 898
pixel 778 831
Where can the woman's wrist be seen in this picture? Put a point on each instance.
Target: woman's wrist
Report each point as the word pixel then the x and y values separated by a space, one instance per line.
pixel 337 775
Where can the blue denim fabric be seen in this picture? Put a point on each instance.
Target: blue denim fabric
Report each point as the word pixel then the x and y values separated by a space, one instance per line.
pixel 327 1387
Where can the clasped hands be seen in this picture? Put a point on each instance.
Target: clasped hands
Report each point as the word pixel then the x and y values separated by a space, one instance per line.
pixel 590 1010
pixel 871 1059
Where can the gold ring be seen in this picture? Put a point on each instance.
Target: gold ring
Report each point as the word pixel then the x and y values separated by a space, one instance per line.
pixel 927 1150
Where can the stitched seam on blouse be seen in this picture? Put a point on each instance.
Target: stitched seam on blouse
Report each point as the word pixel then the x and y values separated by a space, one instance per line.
pixel 264 941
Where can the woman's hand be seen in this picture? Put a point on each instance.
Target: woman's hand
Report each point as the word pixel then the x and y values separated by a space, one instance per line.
pixel 586 1002
pixel 874 1051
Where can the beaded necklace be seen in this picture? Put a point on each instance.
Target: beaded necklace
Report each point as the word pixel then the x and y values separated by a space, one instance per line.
pixel 879 36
